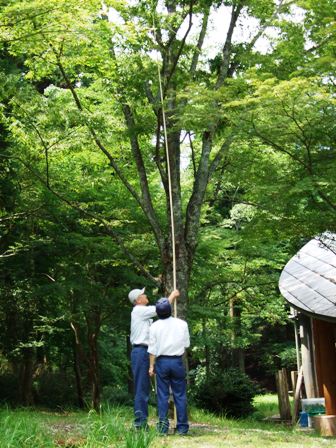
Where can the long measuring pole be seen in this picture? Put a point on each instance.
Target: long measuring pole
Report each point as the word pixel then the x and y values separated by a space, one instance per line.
pixel 170 202
pixel 169 188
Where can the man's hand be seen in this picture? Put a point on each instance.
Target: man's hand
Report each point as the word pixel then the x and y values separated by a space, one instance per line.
pixel 151 371
pixel 173 295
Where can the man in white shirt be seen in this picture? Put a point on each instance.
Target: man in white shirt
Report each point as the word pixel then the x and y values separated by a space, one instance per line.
pixel 168 339
pixel 141 320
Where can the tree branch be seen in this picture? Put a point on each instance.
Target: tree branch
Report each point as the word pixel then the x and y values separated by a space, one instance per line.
pixel 193 158
pixel 145 202
pixel 19 215
pixel 200 41
pixel 177 57
pixel 109 231
pixel 146 196
pixel 195 202
pixel 277 147
pixel 158 156
pixel 220 155
pixel 227 48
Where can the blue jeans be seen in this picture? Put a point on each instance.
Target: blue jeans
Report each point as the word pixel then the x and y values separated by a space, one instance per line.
pixel 140 367
pixel 170 372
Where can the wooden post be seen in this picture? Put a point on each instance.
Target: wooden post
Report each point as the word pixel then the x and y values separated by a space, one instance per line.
pixel 294 377
pixel 307 356
pixel 325 344
pixel 282 388
pixel 294 316
pixel 297 396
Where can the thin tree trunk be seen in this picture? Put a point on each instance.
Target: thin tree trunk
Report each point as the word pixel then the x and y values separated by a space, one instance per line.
pixel 77 352
pixel 26 378
pixel 93 321
pixel 206 348
pixel 238 355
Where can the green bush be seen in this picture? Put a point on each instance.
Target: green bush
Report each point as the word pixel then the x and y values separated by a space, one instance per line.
pixel 229 392
pixel 288 358
pixel 116 395
pixel 9 391
pixel 55 389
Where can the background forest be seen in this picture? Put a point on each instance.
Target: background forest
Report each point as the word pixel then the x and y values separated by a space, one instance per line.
pixel 249 100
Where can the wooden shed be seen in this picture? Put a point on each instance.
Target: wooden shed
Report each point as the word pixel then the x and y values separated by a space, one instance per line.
pixel 308 283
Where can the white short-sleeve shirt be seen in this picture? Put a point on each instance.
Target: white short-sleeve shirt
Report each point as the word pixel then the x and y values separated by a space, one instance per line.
pixel 141 320
pixel 168 337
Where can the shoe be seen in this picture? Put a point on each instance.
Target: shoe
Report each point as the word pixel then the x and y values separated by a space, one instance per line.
pixel 162 427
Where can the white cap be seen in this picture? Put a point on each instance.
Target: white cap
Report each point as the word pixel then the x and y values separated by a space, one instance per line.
pixel 134 294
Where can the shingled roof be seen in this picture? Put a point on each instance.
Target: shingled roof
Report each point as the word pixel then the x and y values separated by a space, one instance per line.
pixel 308 281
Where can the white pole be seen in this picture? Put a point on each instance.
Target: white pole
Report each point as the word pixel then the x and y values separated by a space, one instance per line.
pixel 169 187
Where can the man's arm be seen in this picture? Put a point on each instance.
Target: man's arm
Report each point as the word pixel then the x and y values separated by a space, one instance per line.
pixel 173 295
pixel 151 349
pixel 151 364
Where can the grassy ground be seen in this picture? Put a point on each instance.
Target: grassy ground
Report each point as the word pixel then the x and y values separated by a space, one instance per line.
pixel 113 428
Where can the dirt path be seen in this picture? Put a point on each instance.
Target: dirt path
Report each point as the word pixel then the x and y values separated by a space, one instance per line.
pixel 208 436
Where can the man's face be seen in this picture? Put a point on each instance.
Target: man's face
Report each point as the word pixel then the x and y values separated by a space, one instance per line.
pixel 142 300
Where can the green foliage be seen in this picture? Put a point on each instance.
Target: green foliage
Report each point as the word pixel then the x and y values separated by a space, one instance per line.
pixel 8 389
pixel 55 390
pixel 66 75
pixel 23 430
pixel 277 355
pixel 139 439
pixel 229 392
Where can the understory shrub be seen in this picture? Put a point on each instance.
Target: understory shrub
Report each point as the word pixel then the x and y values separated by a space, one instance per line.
pixel 54 389
pixel 9 391
pixel 116 395
pixel 229 392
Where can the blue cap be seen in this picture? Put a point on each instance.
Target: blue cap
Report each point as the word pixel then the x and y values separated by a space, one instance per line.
pixel 163 308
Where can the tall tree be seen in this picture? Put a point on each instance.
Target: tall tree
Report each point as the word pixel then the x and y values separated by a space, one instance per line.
pixel 105 67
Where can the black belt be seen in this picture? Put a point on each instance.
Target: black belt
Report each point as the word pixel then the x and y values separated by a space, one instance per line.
pixel 139 345
pixel 170 356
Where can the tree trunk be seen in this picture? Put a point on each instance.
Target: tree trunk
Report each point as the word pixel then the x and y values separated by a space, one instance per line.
pixel 93 321
pixel 182 282
pixel 238 355
pixel 78 360
pixel 78 375
pixel 206 348
pixel 26 377
pixel 78 353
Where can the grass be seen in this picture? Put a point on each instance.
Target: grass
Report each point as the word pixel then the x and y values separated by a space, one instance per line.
pixel 113 428
pixel 266 406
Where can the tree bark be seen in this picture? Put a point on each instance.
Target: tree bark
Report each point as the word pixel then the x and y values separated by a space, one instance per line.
pixel 79 358
pixel 93 320
pixel 206 348
pixel 26 377
pixel 238 356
